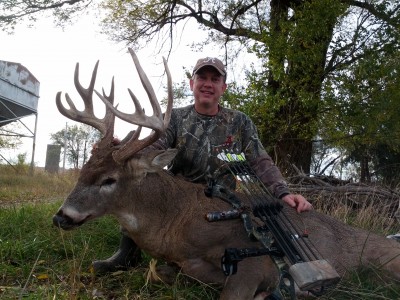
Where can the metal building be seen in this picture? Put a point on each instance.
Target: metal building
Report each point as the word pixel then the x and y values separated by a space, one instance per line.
pixel 19 97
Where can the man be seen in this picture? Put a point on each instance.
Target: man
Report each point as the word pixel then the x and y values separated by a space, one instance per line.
pixel 199 132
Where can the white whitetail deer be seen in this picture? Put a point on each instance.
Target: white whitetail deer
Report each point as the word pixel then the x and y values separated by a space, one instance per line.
pixel 164 214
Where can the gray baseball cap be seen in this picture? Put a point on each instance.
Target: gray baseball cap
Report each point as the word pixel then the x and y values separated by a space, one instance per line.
pixel 212 62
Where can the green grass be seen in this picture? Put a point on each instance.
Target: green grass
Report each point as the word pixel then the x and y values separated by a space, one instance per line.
pixel 23 188
pixel 365 284
pixel 41 258
pixel 39 261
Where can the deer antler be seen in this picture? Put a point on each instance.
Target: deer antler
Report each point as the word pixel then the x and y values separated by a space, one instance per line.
pixel 155 122
pixel 104 125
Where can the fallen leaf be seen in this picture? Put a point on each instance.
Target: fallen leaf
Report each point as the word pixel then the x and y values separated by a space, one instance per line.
pixel 42 277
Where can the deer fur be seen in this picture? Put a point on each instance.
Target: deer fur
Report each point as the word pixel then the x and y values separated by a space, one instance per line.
pixel 164 215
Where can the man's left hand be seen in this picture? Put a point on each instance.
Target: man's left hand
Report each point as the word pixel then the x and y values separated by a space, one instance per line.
pixel 297 201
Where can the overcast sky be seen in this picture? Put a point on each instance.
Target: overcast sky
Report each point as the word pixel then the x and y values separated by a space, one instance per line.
pixel 50 54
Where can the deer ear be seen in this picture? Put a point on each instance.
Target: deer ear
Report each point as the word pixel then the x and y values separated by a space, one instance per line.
pixel 164 158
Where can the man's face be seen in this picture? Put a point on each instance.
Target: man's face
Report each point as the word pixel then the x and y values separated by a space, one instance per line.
pixel 207 85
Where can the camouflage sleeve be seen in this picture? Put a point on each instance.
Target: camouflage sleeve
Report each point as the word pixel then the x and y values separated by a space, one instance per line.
pixel 270 175
pixel 168 139
pixel 262 163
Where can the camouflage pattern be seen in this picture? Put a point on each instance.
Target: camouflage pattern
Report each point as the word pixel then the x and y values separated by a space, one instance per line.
pixel 200 138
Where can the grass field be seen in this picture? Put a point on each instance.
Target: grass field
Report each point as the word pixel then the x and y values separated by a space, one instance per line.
pixel 39 261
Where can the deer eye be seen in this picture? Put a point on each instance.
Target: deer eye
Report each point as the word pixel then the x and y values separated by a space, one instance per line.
pixel 108 181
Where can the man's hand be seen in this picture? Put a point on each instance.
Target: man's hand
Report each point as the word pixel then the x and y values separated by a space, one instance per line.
pixel 297 201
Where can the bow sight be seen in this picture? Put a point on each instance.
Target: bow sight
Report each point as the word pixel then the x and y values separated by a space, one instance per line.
pixel 293 253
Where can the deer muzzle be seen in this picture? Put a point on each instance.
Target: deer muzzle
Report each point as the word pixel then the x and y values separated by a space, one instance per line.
pixel 65 222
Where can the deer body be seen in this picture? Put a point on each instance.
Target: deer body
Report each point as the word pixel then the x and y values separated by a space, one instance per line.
pixel 165 215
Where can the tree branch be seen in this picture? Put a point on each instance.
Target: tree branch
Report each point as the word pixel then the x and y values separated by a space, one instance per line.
pixel 367 5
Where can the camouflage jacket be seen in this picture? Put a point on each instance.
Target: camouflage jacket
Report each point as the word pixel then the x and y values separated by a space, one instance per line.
pixel 199 139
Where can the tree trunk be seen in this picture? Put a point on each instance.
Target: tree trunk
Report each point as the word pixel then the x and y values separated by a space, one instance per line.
pixel 365 175
pixel 296 152
pixel 295 76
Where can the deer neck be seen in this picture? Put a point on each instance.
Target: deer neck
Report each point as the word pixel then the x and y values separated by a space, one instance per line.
pixel 157 201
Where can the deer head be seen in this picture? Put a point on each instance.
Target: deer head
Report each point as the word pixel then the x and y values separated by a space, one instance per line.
pixel 99 176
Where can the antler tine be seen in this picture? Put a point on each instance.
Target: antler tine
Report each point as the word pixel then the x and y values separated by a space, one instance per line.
pixel 155 122
pixel 109 117
pixel 104 125
pixel 167 115
pixel 139 118
pixel 147 85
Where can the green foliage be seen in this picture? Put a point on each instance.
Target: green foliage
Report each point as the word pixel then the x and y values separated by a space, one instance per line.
pixel 77 141
pixel 386 164
pixel 366 98
pixel 21 166
pixel 370 92
pixel 7 143
pixel 8 138
pixel 133 18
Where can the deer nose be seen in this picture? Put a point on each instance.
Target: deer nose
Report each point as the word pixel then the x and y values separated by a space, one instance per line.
pixel 69 221
pixel 58 219
pixel 62 221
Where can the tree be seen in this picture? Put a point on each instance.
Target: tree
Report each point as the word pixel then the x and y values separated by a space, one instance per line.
pixel 14 11
pixel 8 138
pixel 299 43
pixel 76 141
pixel 301 46
pixel 367 101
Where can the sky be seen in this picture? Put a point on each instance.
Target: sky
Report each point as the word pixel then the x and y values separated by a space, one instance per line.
pixel 51 53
